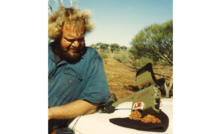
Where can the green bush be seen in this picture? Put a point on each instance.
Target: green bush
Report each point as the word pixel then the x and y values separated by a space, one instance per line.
pixel 142 62
pixel 121 58
pixel 138 63
pixel 103 55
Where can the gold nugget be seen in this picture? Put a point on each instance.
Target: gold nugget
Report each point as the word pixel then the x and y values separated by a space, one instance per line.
pixel 135 115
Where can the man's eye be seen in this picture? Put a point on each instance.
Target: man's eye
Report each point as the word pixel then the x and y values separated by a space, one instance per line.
pixel 82 39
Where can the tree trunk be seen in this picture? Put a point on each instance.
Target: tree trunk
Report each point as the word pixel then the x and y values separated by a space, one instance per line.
pixel 168 88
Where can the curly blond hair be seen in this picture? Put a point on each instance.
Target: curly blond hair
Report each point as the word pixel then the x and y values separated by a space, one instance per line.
pixel 71 16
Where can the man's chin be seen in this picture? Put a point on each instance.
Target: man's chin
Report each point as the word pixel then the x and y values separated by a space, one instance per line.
pixel 72 57
pixel 73 53
pixel 69 56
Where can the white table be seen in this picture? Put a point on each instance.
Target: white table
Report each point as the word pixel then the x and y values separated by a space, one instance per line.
pixel 99 123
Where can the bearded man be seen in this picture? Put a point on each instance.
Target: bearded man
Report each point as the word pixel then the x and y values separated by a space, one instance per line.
pixel 76 77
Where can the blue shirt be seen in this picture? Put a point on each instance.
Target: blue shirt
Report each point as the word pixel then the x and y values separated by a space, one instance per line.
pixel 84 80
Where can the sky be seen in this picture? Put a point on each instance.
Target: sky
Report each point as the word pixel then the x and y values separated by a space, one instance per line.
pixel 118 21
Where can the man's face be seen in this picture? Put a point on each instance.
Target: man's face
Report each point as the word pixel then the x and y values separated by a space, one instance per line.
pixel 71 43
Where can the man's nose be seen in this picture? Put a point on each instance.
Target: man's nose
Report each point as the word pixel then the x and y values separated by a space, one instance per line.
pixel 75 44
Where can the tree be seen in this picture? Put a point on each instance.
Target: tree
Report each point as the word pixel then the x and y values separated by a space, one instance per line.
pixel 104 47
pixel 98 45
pixel 123 48
pixel 155 42
pixel 114 47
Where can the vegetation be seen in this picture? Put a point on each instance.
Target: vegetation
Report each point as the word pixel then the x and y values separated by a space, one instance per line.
pixel 121 58
pixel 114 47
pixel 154 42
pixel 103 55
pixel 104 47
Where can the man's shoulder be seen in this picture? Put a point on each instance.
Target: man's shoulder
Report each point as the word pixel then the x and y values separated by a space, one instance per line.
pixel 92 53
pixel 91 50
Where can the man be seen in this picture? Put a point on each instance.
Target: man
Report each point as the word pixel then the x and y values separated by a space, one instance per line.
pixel 76 77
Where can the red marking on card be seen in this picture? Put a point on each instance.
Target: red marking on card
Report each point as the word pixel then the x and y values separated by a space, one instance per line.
pixel 138 105
pixel 138 95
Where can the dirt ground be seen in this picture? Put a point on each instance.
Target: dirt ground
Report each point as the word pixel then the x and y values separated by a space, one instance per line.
pixel 122 79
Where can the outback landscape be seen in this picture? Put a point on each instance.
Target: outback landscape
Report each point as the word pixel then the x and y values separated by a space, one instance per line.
pixel 121 77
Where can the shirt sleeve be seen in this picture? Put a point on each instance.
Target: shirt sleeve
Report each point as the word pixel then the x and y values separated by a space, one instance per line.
pixel 96 88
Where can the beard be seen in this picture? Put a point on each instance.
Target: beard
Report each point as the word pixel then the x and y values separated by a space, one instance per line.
pixel 70 57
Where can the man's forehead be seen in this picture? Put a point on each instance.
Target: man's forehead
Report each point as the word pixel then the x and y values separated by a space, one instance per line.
pixel 72 30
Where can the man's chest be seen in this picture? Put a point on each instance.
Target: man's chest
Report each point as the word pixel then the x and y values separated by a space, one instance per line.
pixel 64 82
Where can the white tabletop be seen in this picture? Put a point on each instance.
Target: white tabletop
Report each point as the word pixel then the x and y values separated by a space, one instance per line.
pixel 99 123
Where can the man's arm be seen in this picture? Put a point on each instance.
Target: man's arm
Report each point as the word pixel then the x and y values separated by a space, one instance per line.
pixel 71 110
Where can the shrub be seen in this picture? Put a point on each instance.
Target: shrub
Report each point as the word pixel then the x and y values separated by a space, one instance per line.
pixel 138 63
pixel 142 62
pixel 121 58
pixel 103 55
